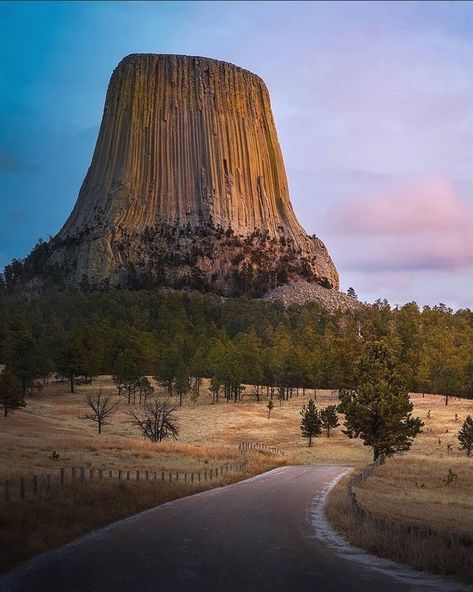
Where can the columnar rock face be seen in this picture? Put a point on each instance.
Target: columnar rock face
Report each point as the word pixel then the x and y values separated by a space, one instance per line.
pixel 187 187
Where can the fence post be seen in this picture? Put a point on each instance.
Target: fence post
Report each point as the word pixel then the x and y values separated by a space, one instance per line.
pixel 7 490
pixel 216 473
pixel 137 475
pixel 211 473
pixel 147 475
pixel 48 482
pixel 110 474
pixel 91 474
pixel 185 477
pixel 100 473
pixel 119 474
pixel 128 475
pixel 177 475
pixel 73 473
pixel 198 478
pixel 155 476
pixel 170 476
pixel 35 483
pixel 82 474
pixel 205 475
pixel 63 475
pixel 22 488
pixel 162 476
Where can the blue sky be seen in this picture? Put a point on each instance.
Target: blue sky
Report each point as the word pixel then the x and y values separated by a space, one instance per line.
pixel 373 104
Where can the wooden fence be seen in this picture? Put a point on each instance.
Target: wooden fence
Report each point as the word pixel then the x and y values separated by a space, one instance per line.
pixel 25 487
pixel 245 446
pixel 399 529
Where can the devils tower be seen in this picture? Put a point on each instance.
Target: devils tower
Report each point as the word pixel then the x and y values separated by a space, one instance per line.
pixel 187 187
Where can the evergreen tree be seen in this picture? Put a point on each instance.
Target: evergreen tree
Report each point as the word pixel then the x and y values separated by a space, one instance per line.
pixel 351 292
pixel 11 398
pixel 183 382
pixel 329 418
pixel 70 360
pixel 128 373
pixel 379 410
pixel 465 436
pixel 26 360
pixel 214 389
pixel 311 424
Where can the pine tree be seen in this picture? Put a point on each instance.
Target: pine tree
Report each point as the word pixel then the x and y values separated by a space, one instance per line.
pixel 11 398
pixel 183 382
pixel 465 436
pixel 214 389
pixel 329 418
pixel 379 410
pixel 311 424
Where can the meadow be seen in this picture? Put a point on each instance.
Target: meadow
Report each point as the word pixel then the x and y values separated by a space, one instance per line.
pixel 50 433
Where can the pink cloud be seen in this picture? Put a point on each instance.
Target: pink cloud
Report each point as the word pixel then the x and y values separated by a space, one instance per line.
pixel 414 226
pixel 425 205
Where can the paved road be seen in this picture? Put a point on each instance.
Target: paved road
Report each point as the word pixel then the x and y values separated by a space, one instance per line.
pixel 254 536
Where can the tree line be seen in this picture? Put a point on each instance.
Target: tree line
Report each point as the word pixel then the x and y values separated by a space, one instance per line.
pixel 181 337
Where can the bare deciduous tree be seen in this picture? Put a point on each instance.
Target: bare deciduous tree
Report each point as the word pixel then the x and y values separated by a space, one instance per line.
pixel 156 421
pixel 102 407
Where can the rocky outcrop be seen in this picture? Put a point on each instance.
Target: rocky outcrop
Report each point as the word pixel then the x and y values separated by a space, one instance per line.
pixel 299 291
pixel 187 187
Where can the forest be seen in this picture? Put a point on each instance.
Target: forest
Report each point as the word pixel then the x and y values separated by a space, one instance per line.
pixel 180 337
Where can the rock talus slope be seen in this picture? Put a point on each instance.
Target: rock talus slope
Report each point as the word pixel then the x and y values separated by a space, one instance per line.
pixel 187 187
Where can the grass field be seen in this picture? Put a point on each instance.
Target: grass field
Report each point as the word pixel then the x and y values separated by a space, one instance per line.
pixel 414 488
pixel 411 485
pixel 53 518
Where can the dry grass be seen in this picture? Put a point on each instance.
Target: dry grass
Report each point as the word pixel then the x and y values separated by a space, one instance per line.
pixel 209 435
pixel 413 489
pixel 52 519
pixel 431 553
pixel 51 422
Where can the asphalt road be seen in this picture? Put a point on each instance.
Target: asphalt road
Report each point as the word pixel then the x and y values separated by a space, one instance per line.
pixel 254 536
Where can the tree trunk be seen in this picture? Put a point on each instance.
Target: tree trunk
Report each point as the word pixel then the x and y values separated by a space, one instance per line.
pixel 72 383
pixel 100 427
pixel 446 400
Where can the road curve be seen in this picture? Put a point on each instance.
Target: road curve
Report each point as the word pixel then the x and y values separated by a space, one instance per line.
pixel 253 536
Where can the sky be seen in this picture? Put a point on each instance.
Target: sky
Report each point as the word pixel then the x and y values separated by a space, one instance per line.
pixel 373 103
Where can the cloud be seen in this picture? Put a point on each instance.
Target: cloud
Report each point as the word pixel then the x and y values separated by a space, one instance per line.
pixel 426 205
pixel 422 224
